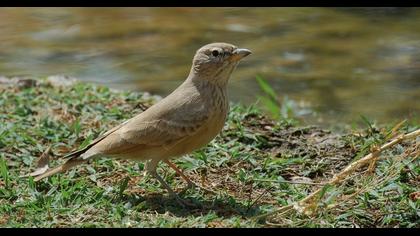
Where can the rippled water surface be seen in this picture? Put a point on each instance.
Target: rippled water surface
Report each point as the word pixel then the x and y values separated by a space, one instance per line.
pixel 335 64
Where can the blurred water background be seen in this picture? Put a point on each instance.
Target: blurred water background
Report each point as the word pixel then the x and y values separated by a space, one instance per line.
pixel 331 64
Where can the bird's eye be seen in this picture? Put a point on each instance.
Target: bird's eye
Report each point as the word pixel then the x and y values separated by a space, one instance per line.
pixel 215 53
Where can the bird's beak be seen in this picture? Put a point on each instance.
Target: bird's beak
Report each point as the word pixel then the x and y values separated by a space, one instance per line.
pixel 239 53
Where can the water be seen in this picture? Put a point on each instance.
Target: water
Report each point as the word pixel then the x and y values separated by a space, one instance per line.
pixel 335 64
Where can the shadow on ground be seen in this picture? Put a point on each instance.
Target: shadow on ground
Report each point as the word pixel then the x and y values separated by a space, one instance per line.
pixel 222 206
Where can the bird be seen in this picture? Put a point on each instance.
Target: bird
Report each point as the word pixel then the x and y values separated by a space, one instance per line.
pixel 182 122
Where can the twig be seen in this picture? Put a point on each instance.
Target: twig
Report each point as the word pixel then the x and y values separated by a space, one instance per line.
pixel 289 182
pixel 258 198
pixel 282 209
pixel 347 171
pixel 353 166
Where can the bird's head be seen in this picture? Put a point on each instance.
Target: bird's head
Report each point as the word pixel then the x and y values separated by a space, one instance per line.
pixel 216 61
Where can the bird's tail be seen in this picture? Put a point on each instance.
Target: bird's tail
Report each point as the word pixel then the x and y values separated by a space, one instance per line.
pixel 61 168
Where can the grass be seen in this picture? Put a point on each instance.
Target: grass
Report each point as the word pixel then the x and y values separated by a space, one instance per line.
pixel 256 165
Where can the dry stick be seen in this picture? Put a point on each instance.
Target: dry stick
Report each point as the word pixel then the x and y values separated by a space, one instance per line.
pixel 348 170
pixel 378 181
pixel 289 182
pixel 258 198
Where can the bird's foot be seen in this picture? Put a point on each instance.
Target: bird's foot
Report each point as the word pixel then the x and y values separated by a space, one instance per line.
pixel 206 189
pixel 192 185
pixel 187 179
pixel 171 192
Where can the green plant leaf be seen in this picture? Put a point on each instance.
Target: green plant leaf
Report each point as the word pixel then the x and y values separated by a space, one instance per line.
pixel 271 106
pixel 266 88
pixel 4 172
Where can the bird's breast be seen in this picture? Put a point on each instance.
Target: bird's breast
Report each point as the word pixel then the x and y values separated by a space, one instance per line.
pixel 206 133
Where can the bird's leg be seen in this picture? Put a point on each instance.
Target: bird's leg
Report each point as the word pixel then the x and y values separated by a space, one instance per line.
pixel 191 184
pixel 151 169
pixel 179 172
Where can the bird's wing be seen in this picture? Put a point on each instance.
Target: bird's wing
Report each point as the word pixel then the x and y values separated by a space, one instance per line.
pixel 160 132
pixel 163 130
